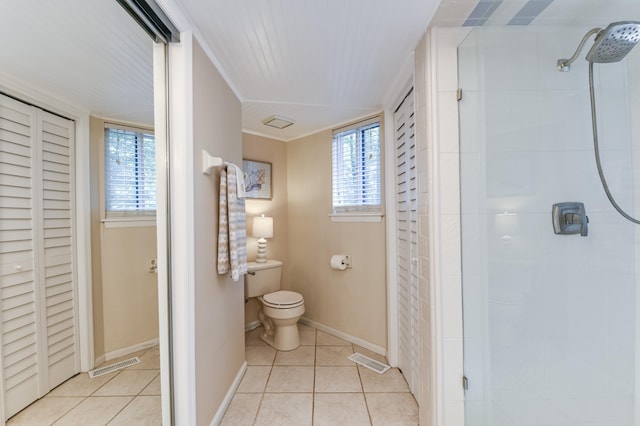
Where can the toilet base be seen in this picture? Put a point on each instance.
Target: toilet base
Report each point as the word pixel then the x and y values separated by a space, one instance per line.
pixel 284 338
pixel 281 333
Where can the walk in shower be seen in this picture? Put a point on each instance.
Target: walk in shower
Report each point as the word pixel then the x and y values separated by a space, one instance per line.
pixel 550 321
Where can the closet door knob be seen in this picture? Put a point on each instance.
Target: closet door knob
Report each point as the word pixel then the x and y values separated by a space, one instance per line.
pixel 18 267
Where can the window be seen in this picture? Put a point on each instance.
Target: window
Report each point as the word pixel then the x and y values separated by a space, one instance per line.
pixel 356 169
pixel 130 172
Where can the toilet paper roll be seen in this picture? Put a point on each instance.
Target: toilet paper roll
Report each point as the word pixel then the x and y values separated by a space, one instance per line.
pixel 339 262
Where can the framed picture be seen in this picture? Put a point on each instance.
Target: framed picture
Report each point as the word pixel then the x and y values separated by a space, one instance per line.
pixel 257 179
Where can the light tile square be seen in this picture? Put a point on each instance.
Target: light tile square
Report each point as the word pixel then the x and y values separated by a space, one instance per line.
pixel 82 385
pixel 44 411
pixel 243 410
pixel 252 337
pixel 291 379
pixel 303 355
pixel 325 339
pixel 337 379
pixel 95 411
pixel 285 410
pixel 340 409
pixel 307 337
pixel 254 379
pixel 333 355
pixel 143 410
pixel 149 360
pixel 391 381
pixel 152 388
pixel 259 355
pixel 392 408
pixel 128 382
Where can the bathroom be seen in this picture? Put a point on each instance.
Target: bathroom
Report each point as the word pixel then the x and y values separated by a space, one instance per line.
pixel 541 155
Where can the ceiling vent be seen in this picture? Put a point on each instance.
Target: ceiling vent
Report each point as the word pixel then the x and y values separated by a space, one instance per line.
pixel 278 122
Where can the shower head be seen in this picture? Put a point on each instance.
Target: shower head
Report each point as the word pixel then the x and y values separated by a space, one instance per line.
pixel 611 44
pixel 614 42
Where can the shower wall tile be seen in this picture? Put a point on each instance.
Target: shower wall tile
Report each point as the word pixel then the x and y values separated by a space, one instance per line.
pixel 450 178
pixel 450 247
pixel 614 127
pixel 448 127
pixel 468 69
pixel 472 195
pixel 570 176
pixel 511 120
pixel 452 319
pixel 554 45
pixel 453 354
pixel 611 76
pixel 471 131
pixel 501 52
pixel 565 121
pixel 512 181
pixel 454 413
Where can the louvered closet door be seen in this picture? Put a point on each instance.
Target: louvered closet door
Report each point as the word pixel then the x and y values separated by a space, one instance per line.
pixel 407 240
pixel 38 343
pixel 57 269
pixel 18 295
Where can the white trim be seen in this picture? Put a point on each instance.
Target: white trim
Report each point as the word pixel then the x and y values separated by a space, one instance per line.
pixel 344 336
pixel 182 229
pixel 356 217
pixel 437 339
pixel 160 117
pixel 390 201
pixel 99 361
pixel 129 350
pixel 252 325
pixel 129 222
pixel 394 95
pixel 229 396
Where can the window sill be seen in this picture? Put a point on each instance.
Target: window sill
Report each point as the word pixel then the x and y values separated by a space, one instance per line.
pixel 356 217
pixel 129 222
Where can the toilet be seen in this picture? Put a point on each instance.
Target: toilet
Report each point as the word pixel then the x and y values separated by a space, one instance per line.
pixel 281 309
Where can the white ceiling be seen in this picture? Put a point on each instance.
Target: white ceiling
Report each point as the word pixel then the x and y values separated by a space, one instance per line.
pixel 321 63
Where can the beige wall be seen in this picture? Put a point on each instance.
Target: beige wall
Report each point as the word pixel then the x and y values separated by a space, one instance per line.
pixel 275 152
pixel 125 294
pixel 351 301
pixel 219 302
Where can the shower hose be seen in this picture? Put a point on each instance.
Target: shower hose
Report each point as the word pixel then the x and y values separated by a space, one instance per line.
pixel 597 150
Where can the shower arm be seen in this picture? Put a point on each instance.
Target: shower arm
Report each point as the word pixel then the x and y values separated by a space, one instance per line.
pixel 564 65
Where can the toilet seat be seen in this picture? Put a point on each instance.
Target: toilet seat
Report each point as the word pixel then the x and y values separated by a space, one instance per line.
pixel 283 299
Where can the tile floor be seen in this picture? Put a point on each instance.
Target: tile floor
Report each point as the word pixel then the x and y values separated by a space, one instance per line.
pixel 317 385
pixel 125 397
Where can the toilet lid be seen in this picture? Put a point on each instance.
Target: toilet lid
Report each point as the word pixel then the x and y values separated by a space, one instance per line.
pixel 283 298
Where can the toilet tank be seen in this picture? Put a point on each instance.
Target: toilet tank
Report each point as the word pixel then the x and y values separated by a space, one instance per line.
pixel 262 278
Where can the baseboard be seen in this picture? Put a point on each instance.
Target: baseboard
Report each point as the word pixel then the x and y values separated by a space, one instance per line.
pixel 99 361
pixel 252 325
pixel 129 350
pixel 344 336
pixel 229 396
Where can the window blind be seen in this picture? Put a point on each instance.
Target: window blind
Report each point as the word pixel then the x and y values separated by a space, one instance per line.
pixel 356 169
pixel 130 172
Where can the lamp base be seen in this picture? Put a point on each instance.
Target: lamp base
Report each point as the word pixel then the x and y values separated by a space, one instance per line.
pixel 262 251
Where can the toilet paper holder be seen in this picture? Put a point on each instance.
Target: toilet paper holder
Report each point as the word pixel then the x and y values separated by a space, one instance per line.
pixel 340 262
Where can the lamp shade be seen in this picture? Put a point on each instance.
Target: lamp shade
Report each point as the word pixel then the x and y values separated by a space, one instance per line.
pixel 263 227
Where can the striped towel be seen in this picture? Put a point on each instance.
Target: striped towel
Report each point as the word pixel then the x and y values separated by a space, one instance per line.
pixel 232 233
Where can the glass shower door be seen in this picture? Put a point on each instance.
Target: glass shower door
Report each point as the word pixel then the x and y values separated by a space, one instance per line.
pixel 549 320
